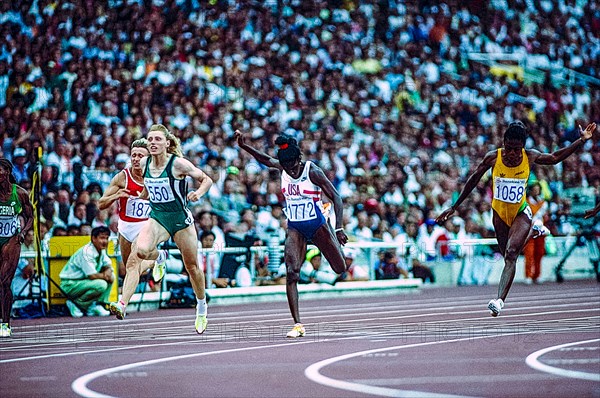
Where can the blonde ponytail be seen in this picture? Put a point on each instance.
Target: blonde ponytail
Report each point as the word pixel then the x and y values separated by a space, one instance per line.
pixel 175 144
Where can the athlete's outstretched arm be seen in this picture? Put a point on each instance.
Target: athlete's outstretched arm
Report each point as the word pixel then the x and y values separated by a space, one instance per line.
pixel 592 212
pixel 488 161
pixel 563 153
pixel 26 213
pixel 320 179
pixel 183 167
pixel 262 157
pixel 115 190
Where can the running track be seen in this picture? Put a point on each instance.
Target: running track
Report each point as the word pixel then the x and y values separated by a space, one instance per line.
pixel 434 342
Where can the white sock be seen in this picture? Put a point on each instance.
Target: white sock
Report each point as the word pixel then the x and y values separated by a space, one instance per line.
pixel 202 307
pixel 162 256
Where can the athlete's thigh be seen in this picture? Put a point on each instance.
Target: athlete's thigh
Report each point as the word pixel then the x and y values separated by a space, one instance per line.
pixel 518 233
pixel 327 243
pixel 502 231
pixel 151 235
pixel 187 242
pixel 9 259
pixel 295 249
pixel 125 246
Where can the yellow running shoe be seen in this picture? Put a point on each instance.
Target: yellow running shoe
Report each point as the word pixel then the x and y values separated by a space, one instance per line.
pixel 160 266
pixel 5 330
pixel 118 309
pixel 201 323
pixel 297 331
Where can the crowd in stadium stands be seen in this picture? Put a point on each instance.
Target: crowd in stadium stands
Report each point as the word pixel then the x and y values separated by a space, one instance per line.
pixel 382 94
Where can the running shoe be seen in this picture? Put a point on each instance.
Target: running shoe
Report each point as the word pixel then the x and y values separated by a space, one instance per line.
pixel 201 323
pixel 118 309
pixel 539 229
pixel 297 331
pixel 495 306
pixel 74 310
pixel 160 265
pixel 5 330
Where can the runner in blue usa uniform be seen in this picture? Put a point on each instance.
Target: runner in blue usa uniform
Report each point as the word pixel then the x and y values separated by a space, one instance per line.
pixel 302 184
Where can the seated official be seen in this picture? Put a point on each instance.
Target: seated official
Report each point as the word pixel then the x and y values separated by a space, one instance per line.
pixel 87 277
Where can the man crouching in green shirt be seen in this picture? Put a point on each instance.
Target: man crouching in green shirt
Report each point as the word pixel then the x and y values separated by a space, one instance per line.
pixel 87 277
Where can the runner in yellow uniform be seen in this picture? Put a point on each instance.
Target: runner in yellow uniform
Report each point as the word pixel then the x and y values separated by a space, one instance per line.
pixel 511 214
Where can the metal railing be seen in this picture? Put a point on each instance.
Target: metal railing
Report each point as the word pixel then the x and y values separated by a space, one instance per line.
pixel 532 71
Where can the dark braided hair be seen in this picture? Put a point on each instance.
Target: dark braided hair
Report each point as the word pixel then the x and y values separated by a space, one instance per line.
pixel 8 166
pixel 516 131
pixel 288 149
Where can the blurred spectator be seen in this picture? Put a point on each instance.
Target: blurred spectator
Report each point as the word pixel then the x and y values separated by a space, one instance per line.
pixel 87 277
pixel 353 272
pixel 314 271
pixel 388 267
pixel 386 95
pixel 21 169
pixel 535 249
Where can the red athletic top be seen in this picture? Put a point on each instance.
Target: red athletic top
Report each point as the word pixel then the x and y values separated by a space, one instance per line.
pixel 133 209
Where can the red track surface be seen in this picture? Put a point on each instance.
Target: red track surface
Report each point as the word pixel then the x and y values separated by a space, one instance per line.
pixel 435 341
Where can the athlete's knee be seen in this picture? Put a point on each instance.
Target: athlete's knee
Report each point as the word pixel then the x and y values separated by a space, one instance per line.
pixel 292 275
pixel 144 252
pixel 511 254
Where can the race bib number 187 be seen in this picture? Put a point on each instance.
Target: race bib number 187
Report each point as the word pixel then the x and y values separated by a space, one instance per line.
pixel 137 208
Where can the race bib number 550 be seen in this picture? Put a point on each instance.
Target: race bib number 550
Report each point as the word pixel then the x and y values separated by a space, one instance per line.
pixel 159 190
pixel 509 190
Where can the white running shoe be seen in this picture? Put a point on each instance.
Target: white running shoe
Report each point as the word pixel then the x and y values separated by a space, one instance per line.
pixel 5 330
pixel 539 229
pixel 160 265
pixel 297 331
pixel 74 310
pixel 495 306
pixel 201 320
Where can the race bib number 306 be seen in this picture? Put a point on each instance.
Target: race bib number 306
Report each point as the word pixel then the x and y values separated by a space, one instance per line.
pixel 509 190
pixel 9 226
pixel 159 190
pixel 137 208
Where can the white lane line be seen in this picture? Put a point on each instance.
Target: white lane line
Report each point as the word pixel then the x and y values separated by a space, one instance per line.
pixel 462 379
pixel 313 372
pixel 80 384
pixel 533 361
pixel 490 329
pixel 122 331
pixel 419 306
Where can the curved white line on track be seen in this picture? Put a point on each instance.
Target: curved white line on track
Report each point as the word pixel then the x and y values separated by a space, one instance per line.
pixel 532 361
pixel 80 384
pixel 313 371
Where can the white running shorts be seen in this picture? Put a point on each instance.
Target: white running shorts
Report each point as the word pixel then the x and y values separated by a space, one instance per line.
pixel 131 230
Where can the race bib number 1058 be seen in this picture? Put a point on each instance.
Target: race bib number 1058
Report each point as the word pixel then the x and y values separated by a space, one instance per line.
pixel 509 190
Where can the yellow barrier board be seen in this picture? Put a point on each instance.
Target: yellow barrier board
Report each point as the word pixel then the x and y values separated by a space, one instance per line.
pixel 61 249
